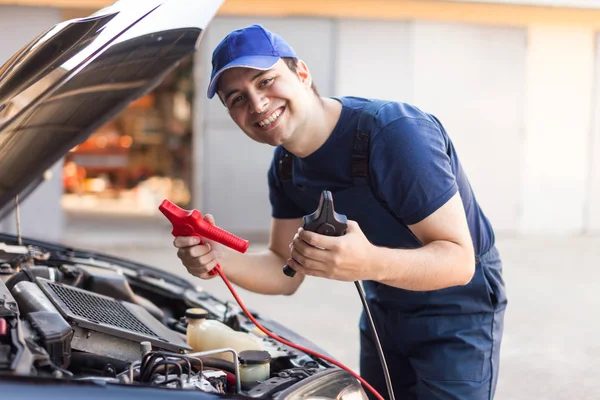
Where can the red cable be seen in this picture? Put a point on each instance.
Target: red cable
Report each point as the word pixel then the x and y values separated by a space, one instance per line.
pixel 267 332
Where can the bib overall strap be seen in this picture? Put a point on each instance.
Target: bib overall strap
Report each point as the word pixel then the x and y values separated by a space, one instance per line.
pixel 284 165
pixel 361 146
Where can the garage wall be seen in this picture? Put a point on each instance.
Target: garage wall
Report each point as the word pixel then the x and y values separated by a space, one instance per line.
pixel 592 209
pixel 473 79
pixel 41 213
pixel 375 59
pixel 560 74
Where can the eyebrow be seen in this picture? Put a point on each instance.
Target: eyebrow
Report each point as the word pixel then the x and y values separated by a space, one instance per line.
pixel 255 77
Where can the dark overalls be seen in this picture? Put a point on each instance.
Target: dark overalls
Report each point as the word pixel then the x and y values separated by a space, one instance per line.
pixel 441 344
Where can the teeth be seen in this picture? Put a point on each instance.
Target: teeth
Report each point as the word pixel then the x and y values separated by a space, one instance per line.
pixel 272 118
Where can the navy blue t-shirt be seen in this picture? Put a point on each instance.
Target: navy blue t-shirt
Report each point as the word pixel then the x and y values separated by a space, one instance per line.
pixel 413 167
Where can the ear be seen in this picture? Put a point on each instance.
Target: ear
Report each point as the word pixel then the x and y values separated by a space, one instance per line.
pixel 304 73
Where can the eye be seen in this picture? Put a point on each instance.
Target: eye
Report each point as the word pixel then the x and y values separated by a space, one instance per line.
pixel 236 100
pixel 267 81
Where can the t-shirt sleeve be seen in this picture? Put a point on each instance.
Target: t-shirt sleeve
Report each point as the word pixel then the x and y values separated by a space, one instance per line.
pixel 282 207
pixel 411 168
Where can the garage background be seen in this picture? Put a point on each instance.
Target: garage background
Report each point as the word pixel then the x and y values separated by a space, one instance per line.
pixel 515 85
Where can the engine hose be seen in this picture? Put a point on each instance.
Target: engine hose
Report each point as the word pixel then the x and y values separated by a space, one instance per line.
pixel 29 274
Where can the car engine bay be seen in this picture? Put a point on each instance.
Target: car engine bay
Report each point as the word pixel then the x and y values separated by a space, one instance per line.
pixel 79 316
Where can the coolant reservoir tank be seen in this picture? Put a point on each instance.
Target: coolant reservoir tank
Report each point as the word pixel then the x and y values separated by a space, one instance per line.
pixel 208 334
pixel 254 367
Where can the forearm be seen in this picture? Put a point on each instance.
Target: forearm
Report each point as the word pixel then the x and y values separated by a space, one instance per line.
pixel 259 272
pixel 437 265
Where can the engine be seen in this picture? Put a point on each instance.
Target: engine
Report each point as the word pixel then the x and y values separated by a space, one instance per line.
pixel 84 319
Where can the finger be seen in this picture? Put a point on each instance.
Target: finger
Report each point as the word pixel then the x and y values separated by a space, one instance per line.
pixel 208 259
pixel 191 253
pixel 185 241
pixel 318 240
pixel 184 254
pixel 202 269
pixel 202 275
pixel 352 226
pixel 299 268
pixel 198 251
pixel 207 276
pixel 209 267
pixel 299 258
pixel 203 262
pixel 308 263
pixel 292 243
pixel 309 251
pixel 209 218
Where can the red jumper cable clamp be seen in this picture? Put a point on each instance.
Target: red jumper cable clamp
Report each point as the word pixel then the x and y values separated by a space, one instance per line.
pixel 191 223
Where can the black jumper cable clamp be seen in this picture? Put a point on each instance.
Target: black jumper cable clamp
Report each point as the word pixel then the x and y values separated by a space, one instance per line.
pixel 326 221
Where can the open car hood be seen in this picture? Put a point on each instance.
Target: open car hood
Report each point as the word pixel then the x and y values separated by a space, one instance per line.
pixel 62 86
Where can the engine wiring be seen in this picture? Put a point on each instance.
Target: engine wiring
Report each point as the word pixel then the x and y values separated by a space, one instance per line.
pixel 288 343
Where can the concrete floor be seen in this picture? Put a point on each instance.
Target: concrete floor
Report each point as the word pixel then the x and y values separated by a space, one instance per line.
pixel 551 348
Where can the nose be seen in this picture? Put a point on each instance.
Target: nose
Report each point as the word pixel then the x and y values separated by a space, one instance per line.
pixel 258 102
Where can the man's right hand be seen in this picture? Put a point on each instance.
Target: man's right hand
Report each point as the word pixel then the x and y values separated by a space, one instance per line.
pixel 199 259
pixel 258 272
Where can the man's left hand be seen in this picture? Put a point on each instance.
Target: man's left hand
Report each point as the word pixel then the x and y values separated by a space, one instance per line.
pixel 343 258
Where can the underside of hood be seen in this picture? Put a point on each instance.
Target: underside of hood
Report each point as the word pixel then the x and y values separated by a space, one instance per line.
pixel 57 90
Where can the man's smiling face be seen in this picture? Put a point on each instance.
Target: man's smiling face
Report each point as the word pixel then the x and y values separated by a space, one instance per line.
pixel 269 106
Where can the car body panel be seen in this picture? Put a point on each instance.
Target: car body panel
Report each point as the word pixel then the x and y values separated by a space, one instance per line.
pixel 66 83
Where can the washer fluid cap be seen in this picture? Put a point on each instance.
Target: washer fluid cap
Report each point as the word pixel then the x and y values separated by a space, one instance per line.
pixel 254 357
pixel 196 313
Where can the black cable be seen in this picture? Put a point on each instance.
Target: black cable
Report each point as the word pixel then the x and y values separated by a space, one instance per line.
pixel 177 360
pixel 386 373
pixel 150 361
pixel 166 364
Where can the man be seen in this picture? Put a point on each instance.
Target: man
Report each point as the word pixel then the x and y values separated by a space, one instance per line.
pixel 416 237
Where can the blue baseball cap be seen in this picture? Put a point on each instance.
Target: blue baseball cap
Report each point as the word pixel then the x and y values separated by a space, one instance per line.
pixel 250 47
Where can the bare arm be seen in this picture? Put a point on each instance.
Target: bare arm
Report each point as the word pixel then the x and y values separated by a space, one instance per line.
pixel 445 259
pixel 259 271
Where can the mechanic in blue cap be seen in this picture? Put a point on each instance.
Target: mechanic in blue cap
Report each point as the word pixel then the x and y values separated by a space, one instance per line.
pixel 417 237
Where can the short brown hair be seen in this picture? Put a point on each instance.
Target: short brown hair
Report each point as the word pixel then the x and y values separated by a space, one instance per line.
pixel 292 64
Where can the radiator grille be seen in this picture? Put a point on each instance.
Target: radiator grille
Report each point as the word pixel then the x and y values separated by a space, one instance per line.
pixel 99 309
